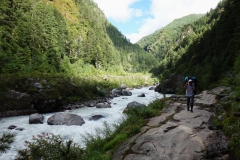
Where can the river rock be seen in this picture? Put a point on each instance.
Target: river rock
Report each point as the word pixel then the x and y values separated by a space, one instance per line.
pixel 12 127
pixel 141 95
pixel 152 88
pixel 65 119
pixel 36 118
pixel 115 92
pixel 126 92
pixel 96 117
pixel 133 105
pixel 103 105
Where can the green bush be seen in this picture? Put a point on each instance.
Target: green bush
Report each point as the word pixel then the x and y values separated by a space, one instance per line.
pixel 6 139
pixel 50 147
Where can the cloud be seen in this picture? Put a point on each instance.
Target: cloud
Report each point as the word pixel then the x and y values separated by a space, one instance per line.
pixel 163 12
pixel 119 10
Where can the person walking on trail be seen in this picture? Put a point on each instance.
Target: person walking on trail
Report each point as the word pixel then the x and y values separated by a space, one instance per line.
pixel 190 90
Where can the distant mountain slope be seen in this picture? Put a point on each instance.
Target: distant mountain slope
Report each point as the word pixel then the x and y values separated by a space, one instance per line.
pixel 64 36
pixel 163 39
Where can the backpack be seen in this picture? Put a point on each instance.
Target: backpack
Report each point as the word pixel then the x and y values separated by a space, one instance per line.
pixel 193 78
pixel 186 79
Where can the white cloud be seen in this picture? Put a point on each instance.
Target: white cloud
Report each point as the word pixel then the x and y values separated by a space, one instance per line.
pixel 162 12
pixel 119 10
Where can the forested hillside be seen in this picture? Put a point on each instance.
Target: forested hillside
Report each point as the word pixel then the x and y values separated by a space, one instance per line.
pixel 67 49
pixel 209 49
pixel 64 36
pixel 163 40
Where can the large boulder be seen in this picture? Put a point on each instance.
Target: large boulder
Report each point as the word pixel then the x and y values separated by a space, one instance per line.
pixel 65 119
pixel 36 118
pixel 133 105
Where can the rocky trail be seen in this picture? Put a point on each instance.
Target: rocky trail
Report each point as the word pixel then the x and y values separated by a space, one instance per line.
pixel 178 134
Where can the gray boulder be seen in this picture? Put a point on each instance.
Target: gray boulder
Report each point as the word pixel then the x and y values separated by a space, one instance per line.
pixel 141 95
pixel 65 119
pixel 115 92
pixel 36 118
pixel 103 105
pixel 96 117
pixel 126 92
pixel 133 105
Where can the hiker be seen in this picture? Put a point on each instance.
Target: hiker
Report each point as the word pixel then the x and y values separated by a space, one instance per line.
pixel 190 90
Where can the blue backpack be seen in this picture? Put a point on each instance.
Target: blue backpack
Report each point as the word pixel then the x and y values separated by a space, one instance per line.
pixel 193 78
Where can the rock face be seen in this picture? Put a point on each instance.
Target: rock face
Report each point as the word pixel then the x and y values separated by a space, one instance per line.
pixel 36 118
pixel 178 134
pixel 65 119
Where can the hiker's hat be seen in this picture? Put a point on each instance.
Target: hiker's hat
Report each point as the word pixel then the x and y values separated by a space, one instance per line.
pixel 189 80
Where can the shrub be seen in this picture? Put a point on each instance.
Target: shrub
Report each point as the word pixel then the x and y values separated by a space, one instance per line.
pixel 50 147
pixel 6 140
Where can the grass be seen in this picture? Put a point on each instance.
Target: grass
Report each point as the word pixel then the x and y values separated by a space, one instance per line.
pixel 230 124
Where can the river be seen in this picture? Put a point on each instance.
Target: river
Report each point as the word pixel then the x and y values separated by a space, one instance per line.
pixel 112 115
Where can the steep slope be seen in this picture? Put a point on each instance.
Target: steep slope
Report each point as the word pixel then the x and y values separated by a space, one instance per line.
pixel 163 40
pixel 211 49
pixel 64 36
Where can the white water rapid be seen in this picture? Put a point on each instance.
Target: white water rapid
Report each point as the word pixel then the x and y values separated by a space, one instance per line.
pixel 112 115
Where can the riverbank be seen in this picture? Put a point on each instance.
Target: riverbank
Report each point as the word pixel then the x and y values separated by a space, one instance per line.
pixel 22 94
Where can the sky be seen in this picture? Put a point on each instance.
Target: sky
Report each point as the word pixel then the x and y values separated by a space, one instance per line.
pixel 138 18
